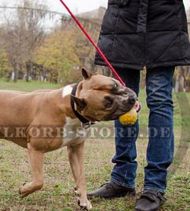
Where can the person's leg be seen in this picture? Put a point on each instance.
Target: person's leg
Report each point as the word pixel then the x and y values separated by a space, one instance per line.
pixel 161 139
pixel 124 172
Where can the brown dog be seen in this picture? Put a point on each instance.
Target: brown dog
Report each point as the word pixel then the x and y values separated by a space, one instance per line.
pixel 39 120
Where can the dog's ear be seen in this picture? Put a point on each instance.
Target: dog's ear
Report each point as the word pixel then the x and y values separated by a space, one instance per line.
pixel 86 74
pixel 80 103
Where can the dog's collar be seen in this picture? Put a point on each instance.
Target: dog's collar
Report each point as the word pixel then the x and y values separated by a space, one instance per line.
pixel 84 122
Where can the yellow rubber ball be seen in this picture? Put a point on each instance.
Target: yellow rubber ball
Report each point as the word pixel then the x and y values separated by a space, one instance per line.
pixel 129 118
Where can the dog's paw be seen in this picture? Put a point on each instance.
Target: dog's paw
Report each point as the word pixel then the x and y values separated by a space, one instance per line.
pixel 29 188
pixel 85 205
pixel 22 191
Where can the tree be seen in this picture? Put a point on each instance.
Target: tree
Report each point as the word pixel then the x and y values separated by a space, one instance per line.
pixel 4 64
pixel 23 33
pixel 58 53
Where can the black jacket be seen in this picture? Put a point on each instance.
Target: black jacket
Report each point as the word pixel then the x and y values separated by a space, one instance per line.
pixel 151 33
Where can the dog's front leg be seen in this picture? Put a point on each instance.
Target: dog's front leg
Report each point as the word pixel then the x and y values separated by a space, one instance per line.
pixel 36 159
pixel 76 158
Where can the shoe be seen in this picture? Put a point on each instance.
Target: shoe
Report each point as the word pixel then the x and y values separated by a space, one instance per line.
pixel 111 190
pixel 150 200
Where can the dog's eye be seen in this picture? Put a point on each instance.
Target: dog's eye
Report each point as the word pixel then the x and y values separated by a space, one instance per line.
pixel 115 86
pixel 108 102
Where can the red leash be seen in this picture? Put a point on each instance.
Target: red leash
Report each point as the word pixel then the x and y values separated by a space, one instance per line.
pixel 93 43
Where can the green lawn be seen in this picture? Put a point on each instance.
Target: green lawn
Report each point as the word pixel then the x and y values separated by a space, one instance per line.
pixel 57 193
pixel 26 86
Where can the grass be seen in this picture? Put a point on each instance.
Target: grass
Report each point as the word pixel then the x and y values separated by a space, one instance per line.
pixel 58 195
pixel 26 86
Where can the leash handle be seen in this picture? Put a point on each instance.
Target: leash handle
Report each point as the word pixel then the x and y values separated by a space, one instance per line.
pixel 93 43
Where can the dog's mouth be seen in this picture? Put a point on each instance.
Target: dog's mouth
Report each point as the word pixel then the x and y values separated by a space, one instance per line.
pixel 114 115
pixel 119 106
pixel 117 111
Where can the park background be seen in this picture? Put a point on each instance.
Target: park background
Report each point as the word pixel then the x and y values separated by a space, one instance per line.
pixel 41 47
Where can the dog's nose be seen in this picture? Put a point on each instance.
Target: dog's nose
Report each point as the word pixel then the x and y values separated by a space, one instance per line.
pixel 132 100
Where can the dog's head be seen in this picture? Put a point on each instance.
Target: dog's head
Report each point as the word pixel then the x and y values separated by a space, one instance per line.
pixel 102 98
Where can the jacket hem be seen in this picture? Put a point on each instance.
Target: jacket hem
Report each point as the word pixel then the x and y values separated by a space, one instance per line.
pixel 148 66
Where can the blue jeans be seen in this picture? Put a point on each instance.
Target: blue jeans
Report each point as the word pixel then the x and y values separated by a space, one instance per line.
pixel 161 140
